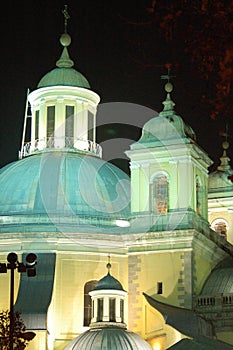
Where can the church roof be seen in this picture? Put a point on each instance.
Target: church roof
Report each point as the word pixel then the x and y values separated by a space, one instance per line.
pixel 69 184
pixel 184 320
pixel 113 338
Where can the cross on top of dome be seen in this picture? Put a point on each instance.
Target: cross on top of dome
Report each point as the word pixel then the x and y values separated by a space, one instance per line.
pixel 168 86
pixel 66 17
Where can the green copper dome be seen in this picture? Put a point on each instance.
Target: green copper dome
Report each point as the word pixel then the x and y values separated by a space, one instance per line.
pixel 65 185
pixel 165 129
pixel 108 338
pixel 108 282
pixel 64 76
pixel 220 281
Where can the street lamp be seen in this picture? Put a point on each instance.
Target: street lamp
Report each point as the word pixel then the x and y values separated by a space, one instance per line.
pixel 12 265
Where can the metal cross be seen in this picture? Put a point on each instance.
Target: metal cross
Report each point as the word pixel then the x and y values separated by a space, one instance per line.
pixel 66 17
pixel 225 133
pixel 167 76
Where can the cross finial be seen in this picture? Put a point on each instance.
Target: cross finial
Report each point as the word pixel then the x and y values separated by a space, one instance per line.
pixel 167 76
pixel 66 17
pixel 168 86
pixel 225 133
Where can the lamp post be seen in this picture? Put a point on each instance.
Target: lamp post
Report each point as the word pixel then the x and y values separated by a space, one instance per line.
pixel 12 265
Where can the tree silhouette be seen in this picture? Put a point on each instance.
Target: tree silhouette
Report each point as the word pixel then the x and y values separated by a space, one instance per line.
pixel 20 336
pixel 194 32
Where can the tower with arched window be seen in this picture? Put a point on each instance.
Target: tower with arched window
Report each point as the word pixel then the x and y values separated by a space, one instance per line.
pixel 169 171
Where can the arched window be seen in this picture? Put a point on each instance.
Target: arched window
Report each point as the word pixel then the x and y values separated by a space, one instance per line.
pixel 159 193
pixel 89 286
pixel 220 226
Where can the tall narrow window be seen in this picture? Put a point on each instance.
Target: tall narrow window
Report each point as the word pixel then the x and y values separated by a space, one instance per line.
pixel 37 125
pixel 198 196
pixel 122 310
pixel 100 304
pixel 112 309
pixel 159 287
pixel 89 286
pixel 50 126
pixel 69 126
pixel 90 134
pixel 160 194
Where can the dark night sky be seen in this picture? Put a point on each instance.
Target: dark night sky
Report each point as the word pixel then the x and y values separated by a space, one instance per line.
pixel 102 50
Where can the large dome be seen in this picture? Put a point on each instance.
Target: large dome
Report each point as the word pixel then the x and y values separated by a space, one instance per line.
pixel 62 184
pixel 111 338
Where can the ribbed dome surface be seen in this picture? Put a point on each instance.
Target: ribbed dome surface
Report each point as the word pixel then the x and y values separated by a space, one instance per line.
pixel 220 281
pixel 64 76
pixel 63 183
pixel 162 129
pixel 108 282
pixel 108 339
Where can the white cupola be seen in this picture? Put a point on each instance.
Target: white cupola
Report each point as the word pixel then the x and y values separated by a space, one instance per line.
pixel 63 110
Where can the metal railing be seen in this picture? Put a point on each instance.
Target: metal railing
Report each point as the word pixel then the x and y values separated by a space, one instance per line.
pixel 59 144
pixel 218 301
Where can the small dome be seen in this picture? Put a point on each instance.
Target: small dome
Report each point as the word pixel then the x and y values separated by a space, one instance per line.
pixel 64 76
pixel 113 338
pixel 219 180
pixel 108 282
pixel 220 281
pixel 171 128
pixel 166 128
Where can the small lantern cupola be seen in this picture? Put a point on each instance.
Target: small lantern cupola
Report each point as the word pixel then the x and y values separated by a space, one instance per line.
pixel 107 328
pixel 108 302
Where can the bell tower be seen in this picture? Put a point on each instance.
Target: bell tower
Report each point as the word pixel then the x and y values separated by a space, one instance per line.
pixel 169 171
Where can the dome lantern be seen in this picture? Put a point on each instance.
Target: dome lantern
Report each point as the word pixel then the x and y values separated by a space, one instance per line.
pixel 63 109
pixel 108 302
pixel 107 329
